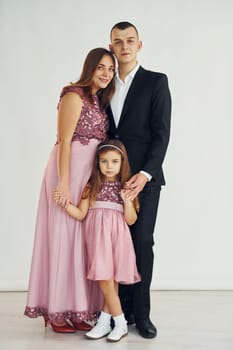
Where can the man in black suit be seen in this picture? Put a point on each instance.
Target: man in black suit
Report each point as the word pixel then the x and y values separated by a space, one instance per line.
pixel 140 117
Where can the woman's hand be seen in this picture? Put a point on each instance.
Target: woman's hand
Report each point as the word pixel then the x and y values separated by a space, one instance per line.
pixel 61 196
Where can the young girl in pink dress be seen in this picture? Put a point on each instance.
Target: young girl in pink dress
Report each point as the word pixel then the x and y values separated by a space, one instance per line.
pixel 108 211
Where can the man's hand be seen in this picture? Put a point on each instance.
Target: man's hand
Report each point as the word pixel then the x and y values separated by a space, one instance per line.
pixel 135 185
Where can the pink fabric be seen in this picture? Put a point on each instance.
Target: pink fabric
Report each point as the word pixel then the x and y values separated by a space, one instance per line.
pixel 58 286
pixel 110 252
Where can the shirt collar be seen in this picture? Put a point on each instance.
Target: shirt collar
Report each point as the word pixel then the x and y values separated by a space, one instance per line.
pixel 130 75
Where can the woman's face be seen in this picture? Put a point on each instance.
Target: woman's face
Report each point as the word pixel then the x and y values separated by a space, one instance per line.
pixel 103 74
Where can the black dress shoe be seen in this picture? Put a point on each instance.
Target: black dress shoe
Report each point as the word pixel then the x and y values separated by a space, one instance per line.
pixel 130 319
pixel 146 328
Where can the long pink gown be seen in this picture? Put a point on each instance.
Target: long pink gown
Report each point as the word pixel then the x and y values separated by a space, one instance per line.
pixel 58 287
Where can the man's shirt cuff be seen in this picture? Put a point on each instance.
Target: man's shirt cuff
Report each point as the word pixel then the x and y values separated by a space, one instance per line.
pixel 149 177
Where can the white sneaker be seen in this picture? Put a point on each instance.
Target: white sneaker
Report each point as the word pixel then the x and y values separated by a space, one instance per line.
pixel 117 333
pixel 100 330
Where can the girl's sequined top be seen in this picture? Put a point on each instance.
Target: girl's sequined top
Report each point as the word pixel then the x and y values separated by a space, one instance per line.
pixel 93 122
pixel 110 192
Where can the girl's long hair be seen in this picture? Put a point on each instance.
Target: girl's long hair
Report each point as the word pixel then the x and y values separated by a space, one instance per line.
pixel 96 178
pixel 85 81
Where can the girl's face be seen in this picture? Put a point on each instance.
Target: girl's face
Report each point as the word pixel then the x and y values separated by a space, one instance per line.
pixel 103 74
pixel 110 164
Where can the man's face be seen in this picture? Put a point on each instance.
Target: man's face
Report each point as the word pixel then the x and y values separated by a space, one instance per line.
pixel 125 45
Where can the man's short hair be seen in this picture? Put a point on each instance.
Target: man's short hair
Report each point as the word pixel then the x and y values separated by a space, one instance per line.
pixel 123 25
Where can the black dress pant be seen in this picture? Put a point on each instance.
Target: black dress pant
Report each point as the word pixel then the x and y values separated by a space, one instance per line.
pixel 135 298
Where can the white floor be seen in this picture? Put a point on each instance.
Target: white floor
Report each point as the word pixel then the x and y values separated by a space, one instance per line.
pixel 185 320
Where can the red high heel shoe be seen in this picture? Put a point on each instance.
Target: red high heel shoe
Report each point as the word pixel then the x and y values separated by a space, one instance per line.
pixel 82 326
pixel 66 328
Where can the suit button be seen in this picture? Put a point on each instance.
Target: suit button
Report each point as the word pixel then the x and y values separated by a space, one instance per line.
pixel 116 136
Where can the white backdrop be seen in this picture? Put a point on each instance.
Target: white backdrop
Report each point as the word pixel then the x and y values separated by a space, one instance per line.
pixel 43 45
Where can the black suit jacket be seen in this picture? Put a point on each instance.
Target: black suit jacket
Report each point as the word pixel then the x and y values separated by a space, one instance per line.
pixel 144 125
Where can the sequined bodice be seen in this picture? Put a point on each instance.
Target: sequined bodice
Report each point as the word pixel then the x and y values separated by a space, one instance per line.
pixel 93 122
pixel 110 192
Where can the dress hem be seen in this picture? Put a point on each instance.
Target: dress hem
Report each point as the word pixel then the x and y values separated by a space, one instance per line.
pixel 118 280
pixel 76 316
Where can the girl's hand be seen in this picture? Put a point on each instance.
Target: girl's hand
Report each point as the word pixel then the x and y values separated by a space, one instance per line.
pixel 135 185
pixel 130 213
pixel 125 195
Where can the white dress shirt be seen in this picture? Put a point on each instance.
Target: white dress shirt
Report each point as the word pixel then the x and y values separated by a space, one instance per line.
pixel 118 99
pixel 122 88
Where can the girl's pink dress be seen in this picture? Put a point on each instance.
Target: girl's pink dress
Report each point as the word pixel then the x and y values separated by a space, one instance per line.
pixel 58 287
pixel 110 252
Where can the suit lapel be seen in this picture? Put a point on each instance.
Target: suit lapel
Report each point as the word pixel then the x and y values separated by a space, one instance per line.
pixel 111 118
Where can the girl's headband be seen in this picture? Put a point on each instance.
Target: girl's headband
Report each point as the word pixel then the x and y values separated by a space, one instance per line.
pixel 112 146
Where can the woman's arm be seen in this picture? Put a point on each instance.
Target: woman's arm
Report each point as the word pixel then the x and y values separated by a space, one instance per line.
pixel 68 115
pixel 130 213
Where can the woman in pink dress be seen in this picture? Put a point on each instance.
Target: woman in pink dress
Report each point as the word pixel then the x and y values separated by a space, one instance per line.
pixel 107 210
pixel 58 288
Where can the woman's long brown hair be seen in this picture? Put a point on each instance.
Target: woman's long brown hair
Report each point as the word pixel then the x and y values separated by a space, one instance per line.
pixel 96 178
pixel 85 81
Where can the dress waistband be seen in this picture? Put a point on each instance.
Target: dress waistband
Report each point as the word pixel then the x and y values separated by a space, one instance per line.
pixel 108 205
